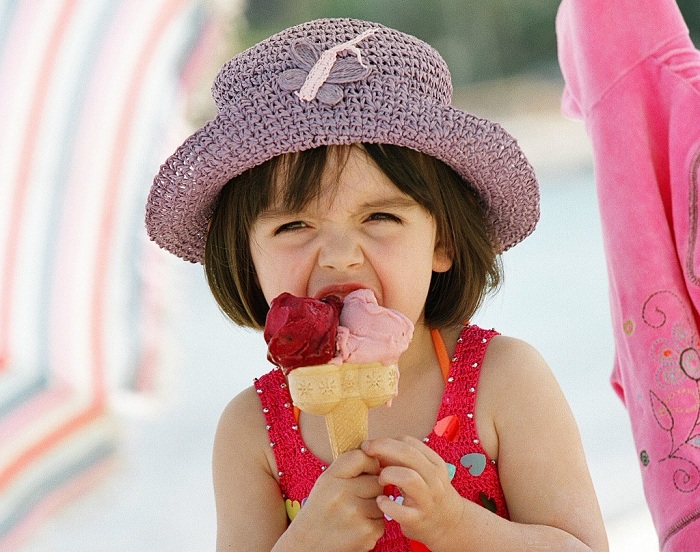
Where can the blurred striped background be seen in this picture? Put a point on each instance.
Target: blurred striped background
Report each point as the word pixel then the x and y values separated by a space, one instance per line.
pixel 88 89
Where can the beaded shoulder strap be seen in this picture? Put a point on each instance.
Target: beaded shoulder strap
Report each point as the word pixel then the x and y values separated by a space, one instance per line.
pixel 283 428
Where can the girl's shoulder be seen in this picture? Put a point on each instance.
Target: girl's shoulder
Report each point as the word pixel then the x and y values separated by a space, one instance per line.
pixel 242 421
pixel 514 371
pixel 521 397
pixel 513 354
pixel 512 374
pixel 245 488
pixel 243 409
pixel 538 443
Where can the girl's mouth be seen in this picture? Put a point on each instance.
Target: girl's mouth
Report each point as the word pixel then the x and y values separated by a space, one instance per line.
pixel 340 290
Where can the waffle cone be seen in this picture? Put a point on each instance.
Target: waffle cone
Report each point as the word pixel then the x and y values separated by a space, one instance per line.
pixel 343 394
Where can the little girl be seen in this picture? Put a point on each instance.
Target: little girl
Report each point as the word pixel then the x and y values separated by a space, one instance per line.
pixel 336 162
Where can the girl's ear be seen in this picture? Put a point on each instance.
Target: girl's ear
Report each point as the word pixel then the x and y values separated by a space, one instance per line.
pixel 442 258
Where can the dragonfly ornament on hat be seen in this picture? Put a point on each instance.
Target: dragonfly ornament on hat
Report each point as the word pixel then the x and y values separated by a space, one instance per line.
pixel 319 75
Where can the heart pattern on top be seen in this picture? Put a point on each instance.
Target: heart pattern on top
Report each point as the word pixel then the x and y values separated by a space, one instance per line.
pixel 293 508
pixel 448 427
pixel 475 462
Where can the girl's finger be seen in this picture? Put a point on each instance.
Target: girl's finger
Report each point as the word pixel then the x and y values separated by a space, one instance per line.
pixel 367 486
pixel 371 510
pixel 424 449
pixel 405 451
pixel 408 480
pixel 353 463
pixel 395 510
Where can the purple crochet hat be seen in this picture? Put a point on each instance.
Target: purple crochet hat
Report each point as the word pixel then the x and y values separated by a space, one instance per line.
pixel 333 82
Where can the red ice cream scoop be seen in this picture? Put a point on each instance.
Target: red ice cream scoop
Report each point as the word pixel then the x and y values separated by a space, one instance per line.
pixel 301 331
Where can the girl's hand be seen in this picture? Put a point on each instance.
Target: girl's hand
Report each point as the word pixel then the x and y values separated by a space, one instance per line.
pixel 431 507
pixel 341 512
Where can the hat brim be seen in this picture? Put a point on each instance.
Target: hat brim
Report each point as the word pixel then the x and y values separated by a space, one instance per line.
pixel 185 191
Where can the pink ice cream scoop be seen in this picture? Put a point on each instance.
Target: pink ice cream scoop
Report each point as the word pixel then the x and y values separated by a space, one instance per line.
pixel 369 332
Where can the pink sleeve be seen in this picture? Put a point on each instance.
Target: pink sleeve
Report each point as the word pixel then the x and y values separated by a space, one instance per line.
pixel 601 41
pixel 632 74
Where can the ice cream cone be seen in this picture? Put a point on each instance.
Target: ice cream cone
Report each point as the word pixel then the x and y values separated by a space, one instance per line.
pixel 343 394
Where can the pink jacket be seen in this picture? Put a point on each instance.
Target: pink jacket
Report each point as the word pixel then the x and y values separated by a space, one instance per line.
pixel 633 75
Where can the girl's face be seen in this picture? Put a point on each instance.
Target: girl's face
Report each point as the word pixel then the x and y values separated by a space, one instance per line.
pixel 362 232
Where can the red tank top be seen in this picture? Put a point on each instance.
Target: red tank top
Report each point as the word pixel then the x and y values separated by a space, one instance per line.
pixel 454 438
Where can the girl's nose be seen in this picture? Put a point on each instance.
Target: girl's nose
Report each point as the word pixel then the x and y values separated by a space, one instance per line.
pixel 340 252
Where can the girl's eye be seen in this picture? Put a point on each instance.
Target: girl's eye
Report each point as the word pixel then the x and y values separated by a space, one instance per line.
pixel 384 216
pixel 290 226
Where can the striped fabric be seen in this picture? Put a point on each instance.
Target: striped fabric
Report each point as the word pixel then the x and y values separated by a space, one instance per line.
pixel 88 89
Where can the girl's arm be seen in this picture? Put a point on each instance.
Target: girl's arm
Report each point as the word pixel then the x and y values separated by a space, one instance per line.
pixel 341 512
pixel 541 463
pixel 249 507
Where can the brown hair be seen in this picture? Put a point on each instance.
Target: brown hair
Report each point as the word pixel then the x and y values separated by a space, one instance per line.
pixel 462 229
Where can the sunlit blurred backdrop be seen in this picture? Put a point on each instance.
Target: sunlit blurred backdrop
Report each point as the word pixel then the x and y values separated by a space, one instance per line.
pixel 115 362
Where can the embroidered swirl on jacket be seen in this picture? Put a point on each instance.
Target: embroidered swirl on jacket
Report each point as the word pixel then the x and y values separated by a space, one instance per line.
pixel 675 402
pixel 319 73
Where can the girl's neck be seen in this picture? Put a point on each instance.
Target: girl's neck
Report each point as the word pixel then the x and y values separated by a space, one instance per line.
pixel 421 354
